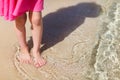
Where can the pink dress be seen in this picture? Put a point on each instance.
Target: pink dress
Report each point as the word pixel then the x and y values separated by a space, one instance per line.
pixel 10 9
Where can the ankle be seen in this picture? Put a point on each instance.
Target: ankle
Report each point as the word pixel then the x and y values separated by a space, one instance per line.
pixel 24 49
pixel 34 50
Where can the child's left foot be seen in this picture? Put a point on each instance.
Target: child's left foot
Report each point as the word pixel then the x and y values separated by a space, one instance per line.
pixel 38 59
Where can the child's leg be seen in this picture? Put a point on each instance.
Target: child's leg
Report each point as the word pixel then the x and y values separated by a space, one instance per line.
pixel 37 30
pixel 21 35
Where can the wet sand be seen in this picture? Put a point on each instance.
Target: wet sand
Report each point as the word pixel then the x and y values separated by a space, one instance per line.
pixel 70 34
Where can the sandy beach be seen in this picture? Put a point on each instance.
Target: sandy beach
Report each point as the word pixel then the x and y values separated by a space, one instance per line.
pixel 70 34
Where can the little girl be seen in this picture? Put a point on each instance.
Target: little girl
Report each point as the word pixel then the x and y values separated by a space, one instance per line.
pixel 16 10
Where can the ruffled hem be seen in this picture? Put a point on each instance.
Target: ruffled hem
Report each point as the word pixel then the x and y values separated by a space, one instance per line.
pixel 10 9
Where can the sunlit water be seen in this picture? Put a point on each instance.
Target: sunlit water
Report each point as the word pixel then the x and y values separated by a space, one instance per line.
pixel 106 64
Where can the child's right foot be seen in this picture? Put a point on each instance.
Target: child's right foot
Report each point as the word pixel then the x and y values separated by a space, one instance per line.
pixel 24 56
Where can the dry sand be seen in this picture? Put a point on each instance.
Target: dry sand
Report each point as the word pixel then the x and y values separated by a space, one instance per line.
pixel 70 28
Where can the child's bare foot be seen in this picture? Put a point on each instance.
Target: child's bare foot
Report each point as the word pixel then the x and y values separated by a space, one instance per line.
pixel 24 56
pixel 38 59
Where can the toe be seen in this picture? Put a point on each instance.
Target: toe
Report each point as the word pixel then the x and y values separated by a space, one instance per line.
pixel 21 61
pixel 41 63
pixel 26 61
pixel 37 65
pixel 30 61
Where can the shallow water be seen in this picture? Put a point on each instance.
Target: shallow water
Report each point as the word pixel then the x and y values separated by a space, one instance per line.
pixel 107 58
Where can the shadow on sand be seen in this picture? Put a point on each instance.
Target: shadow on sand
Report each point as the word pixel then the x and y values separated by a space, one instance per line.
pixel 60 24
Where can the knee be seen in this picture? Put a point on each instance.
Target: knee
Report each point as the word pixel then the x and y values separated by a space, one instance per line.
pixel 20 21
pixel 36 21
